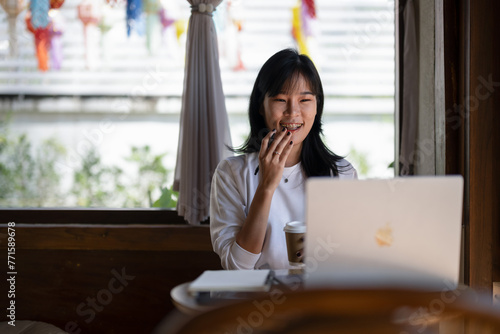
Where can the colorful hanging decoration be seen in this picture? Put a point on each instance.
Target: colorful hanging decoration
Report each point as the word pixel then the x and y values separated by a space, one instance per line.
pixel 151 6
pixel 308 15
pixel 168 35
pixel 56 4
pixel 134 11
pixel 229 23
pixel 47 31
pixel 38 22
pixel 235 14
pixel 42 45
pixel 56 44
pixel 40 13
pixel 180 28
pixel 165 20
pixel 105 24
pixel 12 8
pixel 88 14
pixel 27 20
pixel 303 24
pixel 152 9
pixel 114 3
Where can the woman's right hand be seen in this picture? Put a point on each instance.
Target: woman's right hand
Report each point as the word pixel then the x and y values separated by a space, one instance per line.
pixel 272 157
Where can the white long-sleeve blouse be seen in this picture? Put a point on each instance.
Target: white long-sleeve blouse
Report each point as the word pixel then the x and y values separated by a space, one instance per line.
pixel 233 186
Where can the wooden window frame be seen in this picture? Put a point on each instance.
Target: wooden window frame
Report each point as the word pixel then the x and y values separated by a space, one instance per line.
pixel 64 216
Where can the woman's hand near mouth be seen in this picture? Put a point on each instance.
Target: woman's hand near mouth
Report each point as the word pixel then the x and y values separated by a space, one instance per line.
pixel 272 158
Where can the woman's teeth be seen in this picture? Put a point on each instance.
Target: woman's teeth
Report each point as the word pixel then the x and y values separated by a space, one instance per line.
pixel 291 126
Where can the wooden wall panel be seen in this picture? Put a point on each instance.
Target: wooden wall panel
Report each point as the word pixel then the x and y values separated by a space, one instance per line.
pixel 115 237
pixel 484 149
pixel 472 78
pixel 61 270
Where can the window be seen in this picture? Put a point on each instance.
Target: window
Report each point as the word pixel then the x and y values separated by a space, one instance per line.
pixel 102 130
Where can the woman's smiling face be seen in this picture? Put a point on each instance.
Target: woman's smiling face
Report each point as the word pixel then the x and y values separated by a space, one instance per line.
pixel 293 109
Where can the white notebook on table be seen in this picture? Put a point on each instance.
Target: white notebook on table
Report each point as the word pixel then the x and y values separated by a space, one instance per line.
pixel 232 280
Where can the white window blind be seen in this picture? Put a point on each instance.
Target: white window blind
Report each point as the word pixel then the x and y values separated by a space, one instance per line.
pixel 354 53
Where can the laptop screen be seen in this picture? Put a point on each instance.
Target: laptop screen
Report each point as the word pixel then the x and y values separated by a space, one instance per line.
pixel 403 232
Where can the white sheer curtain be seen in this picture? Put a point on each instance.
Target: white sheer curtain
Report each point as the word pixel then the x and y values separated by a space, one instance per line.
pixel 204 128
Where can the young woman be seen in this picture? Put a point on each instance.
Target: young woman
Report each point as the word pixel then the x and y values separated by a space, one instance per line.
pixel 255 194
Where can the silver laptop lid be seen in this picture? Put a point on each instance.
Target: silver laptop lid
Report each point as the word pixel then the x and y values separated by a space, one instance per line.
pixel 402 232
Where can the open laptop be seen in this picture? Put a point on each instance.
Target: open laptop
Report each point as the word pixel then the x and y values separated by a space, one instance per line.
pixel 401 232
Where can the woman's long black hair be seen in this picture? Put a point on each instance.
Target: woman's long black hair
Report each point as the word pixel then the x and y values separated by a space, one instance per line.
pixel 279 73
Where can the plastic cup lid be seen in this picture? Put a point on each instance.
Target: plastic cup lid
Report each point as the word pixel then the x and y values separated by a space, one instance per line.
pixel 295 227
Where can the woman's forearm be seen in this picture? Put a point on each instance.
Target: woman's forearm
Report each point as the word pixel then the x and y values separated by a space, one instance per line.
pixel 272 159
pixel 252 234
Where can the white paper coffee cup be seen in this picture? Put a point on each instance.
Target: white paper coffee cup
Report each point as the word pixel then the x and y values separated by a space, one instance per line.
pixel 295 233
